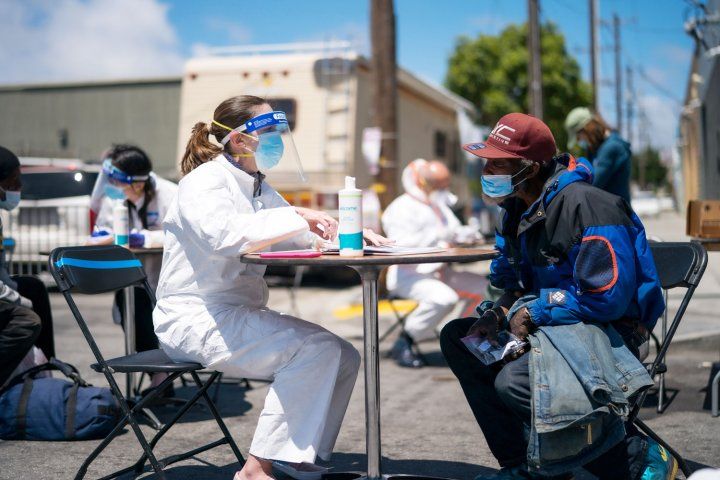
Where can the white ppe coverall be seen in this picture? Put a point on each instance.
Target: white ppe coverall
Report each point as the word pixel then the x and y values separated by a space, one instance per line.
pixel 415 222
pixel 212 309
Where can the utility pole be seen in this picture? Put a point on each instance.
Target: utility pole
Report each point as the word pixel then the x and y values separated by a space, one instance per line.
pixel 629 104
pixel 618 73
pixel 594 73
pixel 382 33
pixel 534 66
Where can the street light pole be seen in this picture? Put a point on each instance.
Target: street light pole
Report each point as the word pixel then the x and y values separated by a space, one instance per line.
pixel 594 55
pixel 618 73
pixel 534 67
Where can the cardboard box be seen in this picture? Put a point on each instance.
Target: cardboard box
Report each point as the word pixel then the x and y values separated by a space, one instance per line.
pixel 703 219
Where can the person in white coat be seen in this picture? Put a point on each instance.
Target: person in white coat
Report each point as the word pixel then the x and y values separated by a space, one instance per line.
pixel 212 307
pixel 422 217
pixel 127 177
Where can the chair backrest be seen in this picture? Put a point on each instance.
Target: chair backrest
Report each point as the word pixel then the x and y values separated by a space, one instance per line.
pixel 95 269
pixel 679 264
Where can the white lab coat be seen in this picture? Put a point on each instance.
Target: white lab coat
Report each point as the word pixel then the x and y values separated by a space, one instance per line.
pixel 165 192
pixel 437 288
pixel 212 309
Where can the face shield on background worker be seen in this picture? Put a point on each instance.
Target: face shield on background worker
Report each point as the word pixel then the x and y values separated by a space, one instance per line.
pixel 268 138
pixel 412 180
pixel 416 184
pixel 111 183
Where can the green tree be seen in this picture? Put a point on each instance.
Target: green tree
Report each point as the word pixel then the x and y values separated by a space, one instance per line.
pixel 491 71
pixel 656 173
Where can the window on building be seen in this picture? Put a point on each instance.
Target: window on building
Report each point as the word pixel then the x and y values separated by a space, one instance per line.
pixel 287 105
pixel 440 148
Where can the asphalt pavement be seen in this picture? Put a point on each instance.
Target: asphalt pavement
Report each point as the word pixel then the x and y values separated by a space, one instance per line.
pixel 427 427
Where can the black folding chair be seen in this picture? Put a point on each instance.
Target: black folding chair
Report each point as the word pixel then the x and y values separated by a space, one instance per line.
pixel 679 265
pixel 101 269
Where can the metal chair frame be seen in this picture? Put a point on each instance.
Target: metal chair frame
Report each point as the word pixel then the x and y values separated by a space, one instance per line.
pixel 66 283
pixel 671 275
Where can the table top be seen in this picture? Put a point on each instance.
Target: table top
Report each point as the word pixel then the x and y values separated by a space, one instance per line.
pixel 449 256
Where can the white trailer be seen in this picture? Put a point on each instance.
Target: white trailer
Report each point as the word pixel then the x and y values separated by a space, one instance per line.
pixel 326 90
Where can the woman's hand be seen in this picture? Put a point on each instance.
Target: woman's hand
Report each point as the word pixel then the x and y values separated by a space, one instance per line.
pixel 375 239
pixel 320 223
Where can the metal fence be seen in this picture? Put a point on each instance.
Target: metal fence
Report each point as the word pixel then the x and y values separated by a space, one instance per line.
pixel 38 226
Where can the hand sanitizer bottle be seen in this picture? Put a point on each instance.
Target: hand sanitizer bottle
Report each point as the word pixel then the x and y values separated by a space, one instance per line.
pixel 351 228
pixel 121 224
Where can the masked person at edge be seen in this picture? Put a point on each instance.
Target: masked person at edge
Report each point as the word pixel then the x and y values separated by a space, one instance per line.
pixel 610 155
pixel 127 177
pixel 25 315
pixel 211 307
pixel 583 253
pixel 421 217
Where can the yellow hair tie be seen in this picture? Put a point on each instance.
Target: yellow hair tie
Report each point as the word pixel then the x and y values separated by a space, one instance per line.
pixel 221 125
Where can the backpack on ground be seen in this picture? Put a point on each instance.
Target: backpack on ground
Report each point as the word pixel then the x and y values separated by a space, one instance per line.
pixel 56 409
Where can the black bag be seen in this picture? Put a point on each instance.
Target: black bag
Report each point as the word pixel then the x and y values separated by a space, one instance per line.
pixel 56 409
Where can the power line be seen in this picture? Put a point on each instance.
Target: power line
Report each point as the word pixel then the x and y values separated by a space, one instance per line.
pixel 570 7
pixel 659 87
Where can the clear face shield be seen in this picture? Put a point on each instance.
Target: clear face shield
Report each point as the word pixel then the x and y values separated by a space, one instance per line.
pixel 268 138
pixel 111 183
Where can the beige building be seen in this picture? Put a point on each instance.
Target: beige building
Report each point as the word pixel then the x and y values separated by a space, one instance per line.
pixel 699 143
pixel 325 88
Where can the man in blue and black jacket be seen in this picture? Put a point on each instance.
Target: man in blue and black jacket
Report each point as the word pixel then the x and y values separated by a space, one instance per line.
pixel 583 253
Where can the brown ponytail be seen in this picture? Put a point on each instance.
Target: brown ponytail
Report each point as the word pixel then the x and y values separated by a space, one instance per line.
pixel 232 112
pixel 199 149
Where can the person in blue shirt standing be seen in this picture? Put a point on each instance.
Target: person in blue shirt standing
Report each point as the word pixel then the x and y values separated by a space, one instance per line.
pixel 609 153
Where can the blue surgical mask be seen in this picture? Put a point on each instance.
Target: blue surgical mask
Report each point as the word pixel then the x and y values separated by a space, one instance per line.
pixel 496 186
pixel 583 144
pixel 269 150
pixel 114 192
pixel 12 199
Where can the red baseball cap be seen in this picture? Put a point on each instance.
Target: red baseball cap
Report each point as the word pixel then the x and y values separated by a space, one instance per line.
pixel 517 135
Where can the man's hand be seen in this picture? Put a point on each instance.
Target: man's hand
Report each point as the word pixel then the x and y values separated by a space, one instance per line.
pixel 489 325
pixel 521 325
pixel 320 223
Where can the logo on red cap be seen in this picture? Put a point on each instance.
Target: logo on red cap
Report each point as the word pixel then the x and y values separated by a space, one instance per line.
pixel 497 133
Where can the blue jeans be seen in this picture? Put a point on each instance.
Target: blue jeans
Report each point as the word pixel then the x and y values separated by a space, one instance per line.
pixel 500 399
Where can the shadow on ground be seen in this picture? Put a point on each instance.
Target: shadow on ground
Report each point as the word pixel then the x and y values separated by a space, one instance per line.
pixel 341 462
pixel 230 402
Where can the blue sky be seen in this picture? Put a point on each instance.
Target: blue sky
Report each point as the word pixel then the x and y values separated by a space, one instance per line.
pixel 84 39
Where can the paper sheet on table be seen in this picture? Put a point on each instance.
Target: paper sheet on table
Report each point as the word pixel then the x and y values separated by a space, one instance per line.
pixel 388 250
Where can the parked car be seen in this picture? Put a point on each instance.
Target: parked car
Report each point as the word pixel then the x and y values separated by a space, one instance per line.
pixel 54 211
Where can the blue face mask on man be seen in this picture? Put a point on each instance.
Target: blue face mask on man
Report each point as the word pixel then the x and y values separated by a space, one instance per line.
pixel 12 200
pixel 496 186
pixel 269 150
pixel 583 145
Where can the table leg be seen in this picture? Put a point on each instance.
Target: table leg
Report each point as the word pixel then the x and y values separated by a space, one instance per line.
pixel 129 316
pixel 369 277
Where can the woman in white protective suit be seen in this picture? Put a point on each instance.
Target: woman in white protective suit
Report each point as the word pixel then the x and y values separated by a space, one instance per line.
pixel 422 217
pixel 211 307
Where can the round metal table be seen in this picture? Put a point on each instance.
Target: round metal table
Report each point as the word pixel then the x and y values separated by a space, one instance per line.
pixel 369 268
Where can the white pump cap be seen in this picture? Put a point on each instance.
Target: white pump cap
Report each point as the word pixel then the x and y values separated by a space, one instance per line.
pixel 349 183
